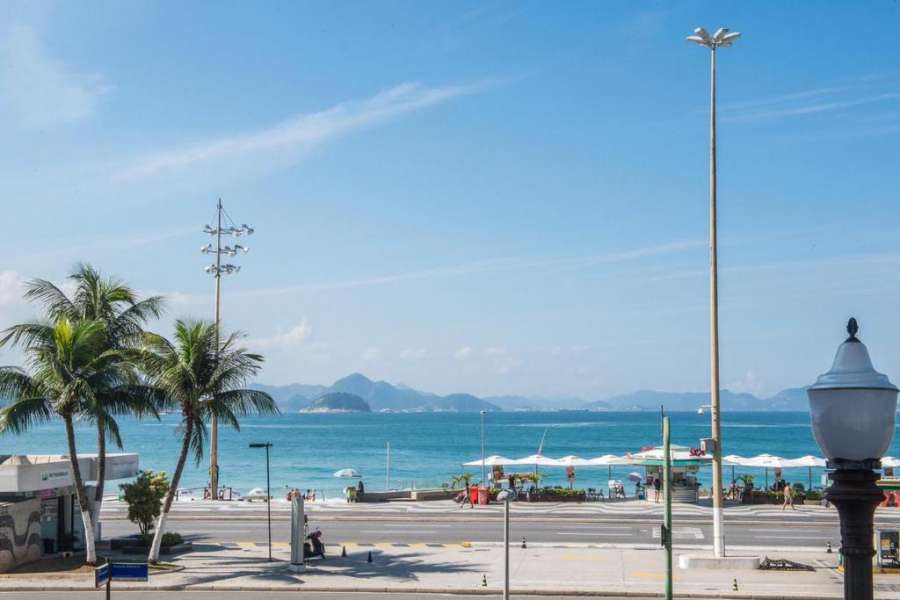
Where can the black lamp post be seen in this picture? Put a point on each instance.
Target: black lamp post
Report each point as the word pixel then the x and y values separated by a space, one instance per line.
pixel 852 408
pixel 267 445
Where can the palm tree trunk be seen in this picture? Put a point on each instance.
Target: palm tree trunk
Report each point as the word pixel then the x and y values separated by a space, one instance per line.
pixel 81 494
pixel 153 556
pixel 101 474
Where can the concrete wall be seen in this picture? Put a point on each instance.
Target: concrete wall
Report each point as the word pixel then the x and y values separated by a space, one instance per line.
pixel 20 533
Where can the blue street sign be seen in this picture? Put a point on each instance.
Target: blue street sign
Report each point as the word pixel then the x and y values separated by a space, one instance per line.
pixel 129 571
pixel 101 575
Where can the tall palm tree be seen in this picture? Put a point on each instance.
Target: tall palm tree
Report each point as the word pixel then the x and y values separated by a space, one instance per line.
pixel 201 380
pixel 66 364
pixel 118 307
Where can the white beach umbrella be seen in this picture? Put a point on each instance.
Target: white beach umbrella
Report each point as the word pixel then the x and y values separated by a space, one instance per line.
pixel 490 461
pixel 572 461
pixel 606 460
pixel 635 476
pixel 538 460
pixel 347 473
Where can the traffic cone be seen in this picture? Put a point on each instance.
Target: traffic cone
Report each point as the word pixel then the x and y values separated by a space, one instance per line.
pixel 343 551
pixel 369 559
pixel 524 545
pixel 484 581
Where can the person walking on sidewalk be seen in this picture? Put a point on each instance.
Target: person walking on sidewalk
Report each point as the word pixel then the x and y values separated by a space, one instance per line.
pixel 657 485
pixel 466 497
pixel 788 496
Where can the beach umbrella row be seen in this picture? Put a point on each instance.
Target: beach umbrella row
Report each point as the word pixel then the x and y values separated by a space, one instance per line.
pixel 769 461
pixel 540 460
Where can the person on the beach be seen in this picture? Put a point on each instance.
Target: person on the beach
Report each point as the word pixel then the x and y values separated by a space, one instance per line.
pixel 657 485
pixel 788 497
pixel 360 488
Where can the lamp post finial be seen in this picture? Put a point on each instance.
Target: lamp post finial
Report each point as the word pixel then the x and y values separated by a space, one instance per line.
pixel 852 328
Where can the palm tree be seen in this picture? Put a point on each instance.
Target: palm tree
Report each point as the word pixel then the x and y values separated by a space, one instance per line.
pixel 67 362
pixel 117 306
pixel 201 380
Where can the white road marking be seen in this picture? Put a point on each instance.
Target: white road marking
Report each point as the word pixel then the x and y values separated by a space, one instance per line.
pixel 681 533
pixel 396 531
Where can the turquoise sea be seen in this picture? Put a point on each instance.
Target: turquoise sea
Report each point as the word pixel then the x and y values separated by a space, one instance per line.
pixel 428 448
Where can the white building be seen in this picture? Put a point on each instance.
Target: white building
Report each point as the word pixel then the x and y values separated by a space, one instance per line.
pixel 39 512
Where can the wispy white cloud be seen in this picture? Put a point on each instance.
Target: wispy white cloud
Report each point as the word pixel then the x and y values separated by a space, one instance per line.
pixel 463 353
pixel 372 353
pixel 295 137
pixel 492 265
pixel 287 339
pixel 413 353
pixel 38 89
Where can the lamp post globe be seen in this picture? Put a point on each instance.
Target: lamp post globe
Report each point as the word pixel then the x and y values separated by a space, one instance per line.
pixel 852 408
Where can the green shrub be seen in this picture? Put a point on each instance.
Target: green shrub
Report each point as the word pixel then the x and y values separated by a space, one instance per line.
pixel 171 538
pixel 143 496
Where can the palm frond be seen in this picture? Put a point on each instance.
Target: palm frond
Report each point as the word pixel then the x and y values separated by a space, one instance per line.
pixel 25 413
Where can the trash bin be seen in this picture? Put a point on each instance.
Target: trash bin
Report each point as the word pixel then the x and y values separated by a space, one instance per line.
pixel 484 495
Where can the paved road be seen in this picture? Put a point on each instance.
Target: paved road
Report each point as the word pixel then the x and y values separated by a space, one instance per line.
pixel 771 532
pixel 262 596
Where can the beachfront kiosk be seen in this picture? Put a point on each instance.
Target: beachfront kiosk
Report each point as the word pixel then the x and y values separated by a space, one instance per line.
pixel 686 463
pixel 39 512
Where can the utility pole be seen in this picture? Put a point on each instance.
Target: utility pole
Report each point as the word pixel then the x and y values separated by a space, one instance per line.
pixel 667 491
pixel 720 39
pixel 216 270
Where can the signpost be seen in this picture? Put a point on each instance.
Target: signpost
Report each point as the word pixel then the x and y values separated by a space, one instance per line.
pixel 104 574
pixel 667 491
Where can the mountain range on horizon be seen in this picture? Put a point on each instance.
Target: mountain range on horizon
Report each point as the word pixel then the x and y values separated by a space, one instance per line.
pixel 387 397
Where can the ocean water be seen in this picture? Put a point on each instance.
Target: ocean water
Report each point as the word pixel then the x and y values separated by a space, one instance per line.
pixel 427 449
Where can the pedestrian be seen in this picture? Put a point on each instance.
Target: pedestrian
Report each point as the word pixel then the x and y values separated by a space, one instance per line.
pixel 466 497
pixel 788 496
pixel 657 485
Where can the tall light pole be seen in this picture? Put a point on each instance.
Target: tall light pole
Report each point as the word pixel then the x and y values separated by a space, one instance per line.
pixel 216 270
pixel 268 445
pixel 483 472
pixel 721 39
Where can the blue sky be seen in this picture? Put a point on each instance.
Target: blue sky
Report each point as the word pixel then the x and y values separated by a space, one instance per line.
pixel 494 197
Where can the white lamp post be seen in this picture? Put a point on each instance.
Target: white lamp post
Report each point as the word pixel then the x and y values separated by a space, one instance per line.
pixel 723 38
pixel 853 408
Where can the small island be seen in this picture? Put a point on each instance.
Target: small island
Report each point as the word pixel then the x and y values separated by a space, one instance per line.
pixel 338 402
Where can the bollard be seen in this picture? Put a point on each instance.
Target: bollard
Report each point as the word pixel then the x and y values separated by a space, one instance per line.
pixel 828 548
pixel 524 545
pixel 734 586
pixel 369 559
pixel 343 551
pixel 484 581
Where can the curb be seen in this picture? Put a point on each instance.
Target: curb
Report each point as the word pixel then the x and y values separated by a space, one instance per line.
pixel 424 590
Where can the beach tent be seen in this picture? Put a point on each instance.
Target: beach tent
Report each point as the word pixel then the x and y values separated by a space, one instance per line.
pixel 491 461
pixel 347 473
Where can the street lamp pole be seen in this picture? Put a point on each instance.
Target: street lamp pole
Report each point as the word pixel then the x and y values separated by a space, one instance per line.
pixel 853 409
pixel 721 39
pixel 267 445
pixel 216 270
pixel 483 473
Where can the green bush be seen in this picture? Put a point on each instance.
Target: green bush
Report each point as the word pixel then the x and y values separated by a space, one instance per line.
pixel 143 496
pixel 171 538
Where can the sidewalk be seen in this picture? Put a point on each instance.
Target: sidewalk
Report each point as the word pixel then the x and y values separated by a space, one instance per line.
pixel 538 569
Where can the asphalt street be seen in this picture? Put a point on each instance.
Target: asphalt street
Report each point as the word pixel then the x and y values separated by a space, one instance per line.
pixel 454 528
pixel 220 595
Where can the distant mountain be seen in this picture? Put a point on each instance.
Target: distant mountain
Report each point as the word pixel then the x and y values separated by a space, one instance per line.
pixel 384 396
pixel 511 402
pixel 463 403
pixel 338 402
pixel 793 399
pixel 292 397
